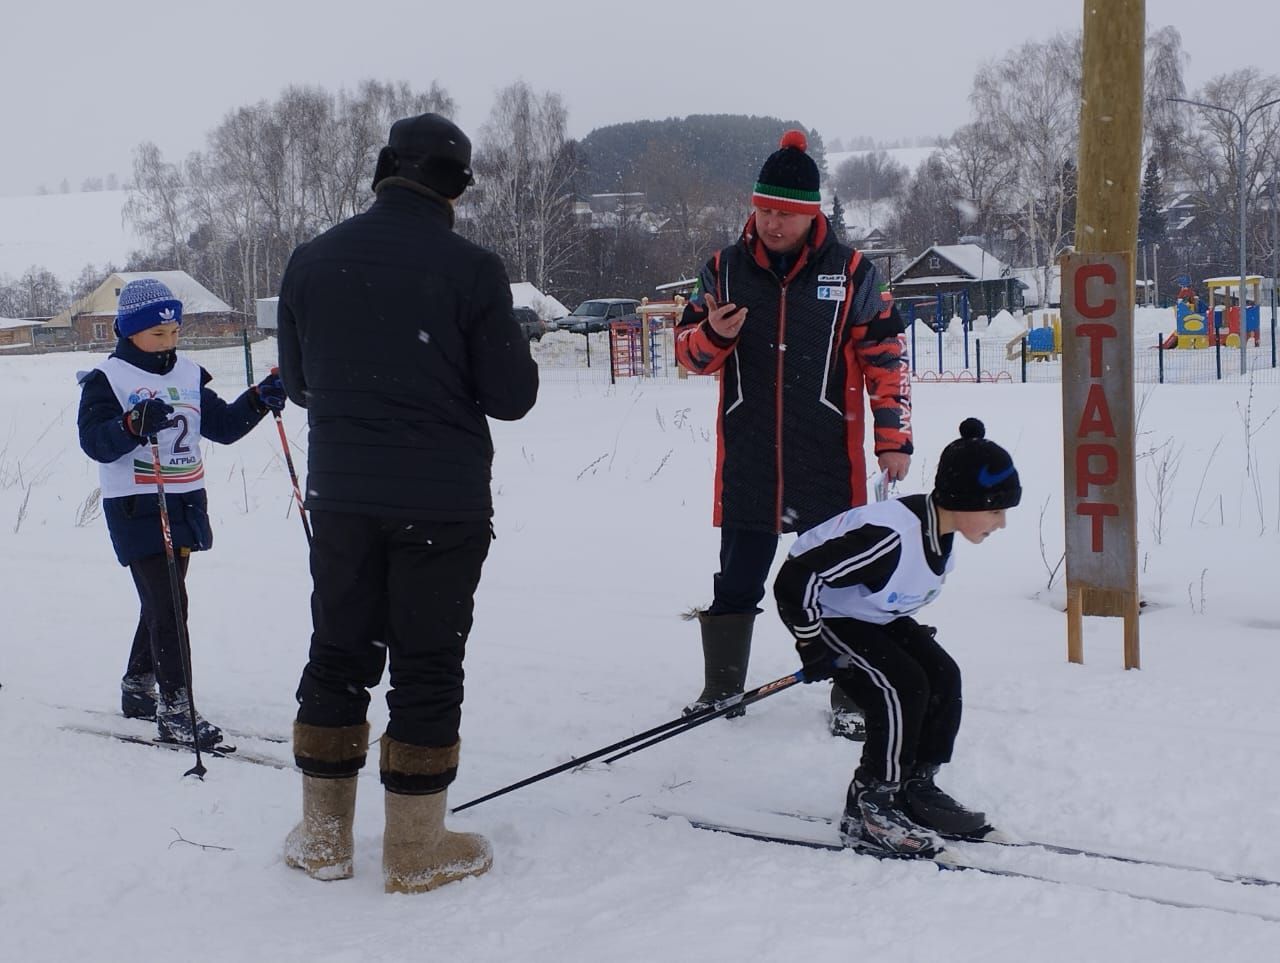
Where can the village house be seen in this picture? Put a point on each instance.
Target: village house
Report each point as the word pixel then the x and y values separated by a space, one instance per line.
pixel 89 321
pixel 952 273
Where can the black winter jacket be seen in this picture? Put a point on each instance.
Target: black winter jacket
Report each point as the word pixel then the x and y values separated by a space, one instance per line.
pixel 820 336
pixel 134 520
pixel 397 337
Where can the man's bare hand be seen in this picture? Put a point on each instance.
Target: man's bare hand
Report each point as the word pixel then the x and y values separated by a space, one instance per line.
pixel 726 320
pixel 894 464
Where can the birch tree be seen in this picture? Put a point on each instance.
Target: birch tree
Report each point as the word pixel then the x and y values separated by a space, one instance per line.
pixel 526 168
pixel 1035 91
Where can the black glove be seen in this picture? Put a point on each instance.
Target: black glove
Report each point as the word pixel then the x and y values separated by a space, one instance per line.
pixel 269 393
pixel 147 417
pixel 819 661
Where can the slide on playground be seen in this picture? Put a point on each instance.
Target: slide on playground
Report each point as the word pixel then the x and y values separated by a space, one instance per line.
pixel 1170 342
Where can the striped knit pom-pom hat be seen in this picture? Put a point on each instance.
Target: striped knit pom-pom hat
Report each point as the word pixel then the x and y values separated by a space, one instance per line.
pixel 788 180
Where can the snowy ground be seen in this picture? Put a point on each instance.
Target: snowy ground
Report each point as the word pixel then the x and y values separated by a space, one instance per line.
pixel 604 536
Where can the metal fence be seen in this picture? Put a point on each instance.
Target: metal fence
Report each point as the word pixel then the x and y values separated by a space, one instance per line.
pixel 609 358
pixel 966 356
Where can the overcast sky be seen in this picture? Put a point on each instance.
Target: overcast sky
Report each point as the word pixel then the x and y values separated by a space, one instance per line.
pixel 83 84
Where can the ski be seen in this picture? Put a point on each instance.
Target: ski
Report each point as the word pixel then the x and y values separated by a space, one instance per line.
pixel 947 861
pixel 997 838
pixel 233 733
pixel 219 751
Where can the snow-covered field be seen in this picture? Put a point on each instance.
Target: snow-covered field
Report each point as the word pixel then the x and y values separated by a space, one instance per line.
pixel 604 537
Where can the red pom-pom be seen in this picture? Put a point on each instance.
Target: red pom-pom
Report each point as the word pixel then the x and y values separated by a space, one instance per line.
pixel 796 139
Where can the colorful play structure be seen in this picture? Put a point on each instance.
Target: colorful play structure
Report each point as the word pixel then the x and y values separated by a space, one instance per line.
pixel 1043 343
pixel 635 348
pixel 1201 325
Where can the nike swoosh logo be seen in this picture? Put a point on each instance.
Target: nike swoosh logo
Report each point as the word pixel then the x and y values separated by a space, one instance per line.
pixel 988 480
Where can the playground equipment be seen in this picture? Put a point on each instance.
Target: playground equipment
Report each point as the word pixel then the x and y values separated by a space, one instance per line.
pixel 1191 330
pixel 1043 343
pixel 1229 288
pixel 634 346
pixel 1201 325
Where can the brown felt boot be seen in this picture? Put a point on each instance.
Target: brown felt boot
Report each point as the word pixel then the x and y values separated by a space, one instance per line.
pixel 418 853
pixel 322 845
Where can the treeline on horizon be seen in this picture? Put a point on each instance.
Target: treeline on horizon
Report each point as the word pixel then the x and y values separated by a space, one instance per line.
pixel 274 174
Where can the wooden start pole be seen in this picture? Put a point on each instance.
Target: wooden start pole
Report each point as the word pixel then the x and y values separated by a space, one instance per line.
pixel 1100 491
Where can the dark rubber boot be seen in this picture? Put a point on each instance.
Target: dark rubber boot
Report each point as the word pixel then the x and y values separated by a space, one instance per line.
pixel 726 650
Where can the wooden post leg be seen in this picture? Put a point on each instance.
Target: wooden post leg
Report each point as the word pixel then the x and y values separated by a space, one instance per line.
pixel 1131 657
pixel 1075 626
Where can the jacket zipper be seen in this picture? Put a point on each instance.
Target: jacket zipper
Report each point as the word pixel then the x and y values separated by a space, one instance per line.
pixel 782 349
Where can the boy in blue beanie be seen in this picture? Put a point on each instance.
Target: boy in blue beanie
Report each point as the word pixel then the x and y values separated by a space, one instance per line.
pixel 144 391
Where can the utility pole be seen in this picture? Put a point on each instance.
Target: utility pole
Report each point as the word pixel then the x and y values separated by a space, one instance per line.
pixel 1243 124
pixel 1098 294
pixel 1275 250
pixel 1155 271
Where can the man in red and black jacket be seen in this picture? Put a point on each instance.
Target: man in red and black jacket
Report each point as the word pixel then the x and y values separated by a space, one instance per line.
pixel 798 328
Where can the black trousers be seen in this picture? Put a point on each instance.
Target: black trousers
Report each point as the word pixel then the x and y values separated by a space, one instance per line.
pixel 157 647
pixel 908 688
pixel 390 589
pixel 745 559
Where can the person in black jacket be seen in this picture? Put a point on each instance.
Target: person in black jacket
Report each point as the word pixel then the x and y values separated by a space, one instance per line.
pixel 796 325
pixel 143 390
pixel 397 336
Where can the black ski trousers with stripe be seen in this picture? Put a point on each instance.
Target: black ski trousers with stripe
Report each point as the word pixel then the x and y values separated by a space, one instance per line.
pixel 387 588
pixel 908 688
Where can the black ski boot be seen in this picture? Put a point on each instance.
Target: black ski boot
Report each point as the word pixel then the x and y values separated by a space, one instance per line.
pixel 173 721
pixel 726 649
pixel 847 720
pixel 138 696
pixel 874 823
pixel 929 806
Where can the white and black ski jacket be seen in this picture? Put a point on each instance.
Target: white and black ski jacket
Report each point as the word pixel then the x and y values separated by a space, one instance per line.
pixel 876 563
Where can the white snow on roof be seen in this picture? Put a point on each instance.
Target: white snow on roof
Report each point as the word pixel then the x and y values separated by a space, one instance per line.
pixel 938 279
pixel 975 261
pixel 1033 282
pixel 63 232
pixel 525 295
pixel 7 323
pixel 195 297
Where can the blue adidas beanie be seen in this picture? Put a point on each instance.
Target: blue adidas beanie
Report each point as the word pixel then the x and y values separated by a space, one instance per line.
pixel 144 303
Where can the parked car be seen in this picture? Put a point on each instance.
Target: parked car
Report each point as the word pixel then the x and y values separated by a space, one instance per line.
pixel 598 313
pixel 532 325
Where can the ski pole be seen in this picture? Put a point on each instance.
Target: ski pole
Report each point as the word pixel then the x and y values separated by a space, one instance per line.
pixel 728 705
pixel 671 728
pixel 175 589
pixel 293 474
